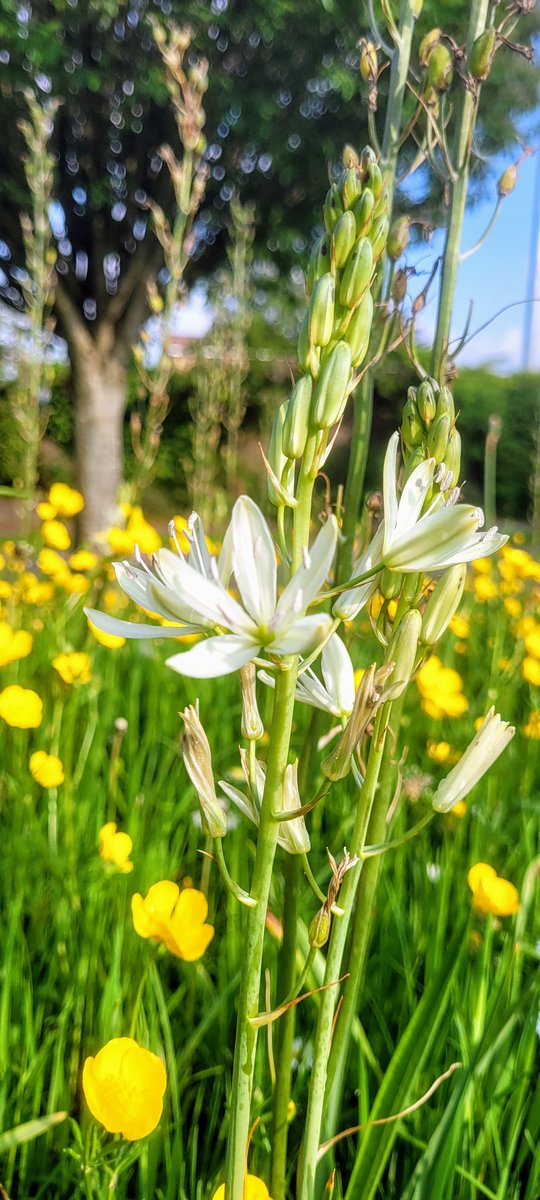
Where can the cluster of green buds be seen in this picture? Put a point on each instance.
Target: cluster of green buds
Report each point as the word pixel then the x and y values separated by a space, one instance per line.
pixel 435 56
pixel 334 336
pixel 428 430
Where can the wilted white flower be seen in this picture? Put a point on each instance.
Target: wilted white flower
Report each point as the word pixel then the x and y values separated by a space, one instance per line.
pixel 489 742
pixel 292 835
pixel 193 592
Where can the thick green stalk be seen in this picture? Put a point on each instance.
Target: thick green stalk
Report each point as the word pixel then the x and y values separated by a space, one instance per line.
pixel 286 1027
pixel 363 397
pixel 360 939
pixel 248 1003
pixel 334 957
pixel 462 151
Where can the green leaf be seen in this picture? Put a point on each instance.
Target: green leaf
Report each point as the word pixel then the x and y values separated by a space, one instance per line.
pixel 29 1131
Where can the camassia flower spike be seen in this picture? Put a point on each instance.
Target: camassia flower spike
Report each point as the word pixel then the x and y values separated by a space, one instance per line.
pixel 192 592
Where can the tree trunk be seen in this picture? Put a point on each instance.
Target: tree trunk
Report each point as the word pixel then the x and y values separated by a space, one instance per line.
pixel 100 392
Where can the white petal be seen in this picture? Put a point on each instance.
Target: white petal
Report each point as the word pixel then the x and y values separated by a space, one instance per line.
pixel 225 560
pixel 303 636
pixel 390 487
pixel 338 674
pixel 129 629
pixel 194 596
pixel 350 602
pixel 310 690
pixel 217 656
pixel 254 560
pixel 435 537
pixel 307 581
pixel 413 496
pixel 242 802
pixel 137 584
pixel 198 556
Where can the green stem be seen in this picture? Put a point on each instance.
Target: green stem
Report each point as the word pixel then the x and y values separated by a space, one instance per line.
pixel 363 399
pixel 286 1027
pixel 462 151
pixel 334 957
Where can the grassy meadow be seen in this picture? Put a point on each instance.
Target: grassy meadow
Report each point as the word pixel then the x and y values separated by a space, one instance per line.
pixel 444 984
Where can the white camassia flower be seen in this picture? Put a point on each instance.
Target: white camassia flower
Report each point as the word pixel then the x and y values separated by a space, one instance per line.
pixel 491 739
pixel 441 537
pixel 336 694
pixel 193 592
pixel 293 835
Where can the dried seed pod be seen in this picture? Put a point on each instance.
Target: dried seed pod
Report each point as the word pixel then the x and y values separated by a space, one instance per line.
pixel 482 54
pixel 398 237
pixel 428 43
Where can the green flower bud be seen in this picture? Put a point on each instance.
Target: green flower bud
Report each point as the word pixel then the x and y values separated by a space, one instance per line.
pixel 374 179
pixel 278 459
pixel 412 430
pixel 333 207
pixel 426 403
pixel 321 310
pixel 437 439
pixel 442 604
pixel 319 929
pixel 452 458
pixel 308 355
pixel 367 158
pixel 418 455
pixel 252 727
pixel 296 424
pixel 383 203
pixel 343 238
pixel 402 650
pixel 330 396
pixel 390 583
pixel 350 158
pixel 358 330
pixel 508 180
pixel 445 404
pixel 398 237
pixel 351 187
pixel 363 211
pixel 440 69
pixel 378 235
pixel 357 274
pixel 482 54
pixel 369 64
pixel 319 262
pixel 428 44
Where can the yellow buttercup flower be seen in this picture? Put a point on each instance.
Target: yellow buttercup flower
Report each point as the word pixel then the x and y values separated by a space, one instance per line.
pixel 482 566
pixel 491 894
pixel 75 584
pixel 138 532
pixel 14 644
pixel 73 668
pixel 176 918
pixel 513 607
pixel 20 707
pixel 441 689
pixel 124 1087
pixel 460 626
pixel 530 669
pixel 115 847
pixel 485 588
pixel 6 589
pixel 47 769
pixel 39 592
pixel 440 752
pixel 112 640
pixel 56 535
pixel 51 563
pixel 532 642
pixel 83 560
pixel 254 1189
pixel 66 501
pixel 45 511
pixel 459 809
pixel 532 728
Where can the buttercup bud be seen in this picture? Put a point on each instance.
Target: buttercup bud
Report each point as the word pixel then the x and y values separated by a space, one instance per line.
pixel 402 650
pixel 444 601
pixel 252 726
pixel 321 310
pixel 357 273
pixel 398 237
pixel 343 238
pixel 330 395
pixel 198 763
pixel 296 424
pixel 482 54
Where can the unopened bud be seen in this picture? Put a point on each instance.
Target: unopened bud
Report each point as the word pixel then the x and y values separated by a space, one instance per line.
pixel 416 457
pixel 351 187
pixel 319 929
pixel 368 65
pixel 437 439
pixel 319 262
pixel 369 696
pixel 402 650
pixel 321 310
pixel 452 458
pixel 443 604
pixel 398 237
pixel 426 403
pixel 293 835
pixel 349 157
pixel 439 69
pixel 343 238
pixel 428 43
pixel 308 355
pixel 198 763
pixel 390 583
pixel 482 54
pixel 378 235
pixel 367 158
pixel 508 180
pixel 296 424
pixel 445 404
pixel 357 274
pixel 374 179
pixel 358 330
pixel 412 430
pixel 330 396
pixel 333 207
pixel 278 459
pixel 252 726
pixel 363 211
